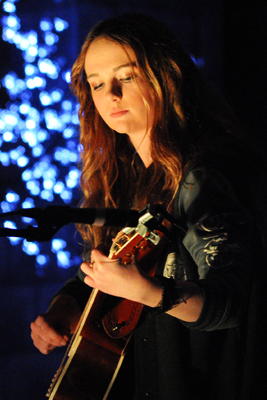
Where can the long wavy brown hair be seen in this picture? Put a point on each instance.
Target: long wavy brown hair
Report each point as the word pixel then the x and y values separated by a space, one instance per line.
pixel 187 110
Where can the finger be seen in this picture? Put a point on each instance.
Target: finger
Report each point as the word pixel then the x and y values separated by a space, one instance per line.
pixel 87 267
pixel 89 281
pixel 101 259
pixel 97 255
pixel 39 342
pixel 42 346
pixel 48 333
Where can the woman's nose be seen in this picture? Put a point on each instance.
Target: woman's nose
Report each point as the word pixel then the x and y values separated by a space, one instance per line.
pixel 115 90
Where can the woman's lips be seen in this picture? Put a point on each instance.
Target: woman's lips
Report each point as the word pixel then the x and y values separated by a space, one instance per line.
pixel 117 114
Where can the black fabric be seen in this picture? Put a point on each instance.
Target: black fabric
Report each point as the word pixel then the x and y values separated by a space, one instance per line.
pixel 222 355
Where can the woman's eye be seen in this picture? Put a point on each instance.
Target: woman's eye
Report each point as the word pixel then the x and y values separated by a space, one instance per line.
pixel 127 79
pixel 96 87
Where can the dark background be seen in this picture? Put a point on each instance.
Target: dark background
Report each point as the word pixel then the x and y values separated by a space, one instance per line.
pixel 230 36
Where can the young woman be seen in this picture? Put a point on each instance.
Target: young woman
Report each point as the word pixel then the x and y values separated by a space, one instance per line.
pixel 153 131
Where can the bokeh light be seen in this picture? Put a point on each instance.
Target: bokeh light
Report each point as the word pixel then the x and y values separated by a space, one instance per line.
pixel 39 126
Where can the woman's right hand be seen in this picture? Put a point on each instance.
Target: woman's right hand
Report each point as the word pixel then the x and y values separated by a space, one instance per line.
pixel 45 334
pixel 53 328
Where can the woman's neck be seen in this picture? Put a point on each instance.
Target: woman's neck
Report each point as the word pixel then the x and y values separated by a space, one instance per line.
pixel 143 148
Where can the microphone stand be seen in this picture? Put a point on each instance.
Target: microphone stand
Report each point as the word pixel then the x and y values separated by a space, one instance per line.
pixel 50 219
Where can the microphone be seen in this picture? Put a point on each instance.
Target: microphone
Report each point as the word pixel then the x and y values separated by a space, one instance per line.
pixel 50 219
pixel 93 216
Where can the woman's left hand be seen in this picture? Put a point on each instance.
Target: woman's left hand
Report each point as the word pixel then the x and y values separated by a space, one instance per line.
pixel 129 282
pixel 114 278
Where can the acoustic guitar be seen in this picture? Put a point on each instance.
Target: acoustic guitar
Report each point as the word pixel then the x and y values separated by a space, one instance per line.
pixel 98 345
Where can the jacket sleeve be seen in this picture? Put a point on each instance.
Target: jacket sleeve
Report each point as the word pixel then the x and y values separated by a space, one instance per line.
pixel 218 240
pixel 76 288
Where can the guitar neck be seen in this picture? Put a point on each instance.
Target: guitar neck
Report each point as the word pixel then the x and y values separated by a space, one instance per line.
pixel 98 345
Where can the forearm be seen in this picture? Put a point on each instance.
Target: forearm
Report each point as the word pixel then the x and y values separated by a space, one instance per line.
pixel 67 306
pixel 76 289
pixel 204 305
pixel 188 305
pixel 190 308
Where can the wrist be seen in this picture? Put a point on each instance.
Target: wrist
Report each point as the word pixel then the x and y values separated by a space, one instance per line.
pixel 151 292
pixel 171 295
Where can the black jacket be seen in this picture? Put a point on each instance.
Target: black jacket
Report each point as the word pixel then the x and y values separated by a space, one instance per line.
pixel 218 356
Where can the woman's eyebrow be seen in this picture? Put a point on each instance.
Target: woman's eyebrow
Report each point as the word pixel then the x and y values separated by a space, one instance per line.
pixel 130 64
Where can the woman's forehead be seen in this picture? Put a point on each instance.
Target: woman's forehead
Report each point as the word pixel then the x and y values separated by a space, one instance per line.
pixel 104 52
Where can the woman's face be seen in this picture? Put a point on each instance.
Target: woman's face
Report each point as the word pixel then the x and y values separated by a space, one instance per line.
pixel 119 90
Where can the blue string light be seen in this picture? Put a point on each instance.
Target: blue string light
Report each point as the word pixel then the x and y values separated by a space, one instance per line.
pixel 9 7
pixel 36 116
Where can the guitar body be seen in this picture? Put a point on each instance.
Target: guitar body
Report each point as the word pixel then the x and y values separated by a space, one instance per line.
pixel 93 358
pixel 98 346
